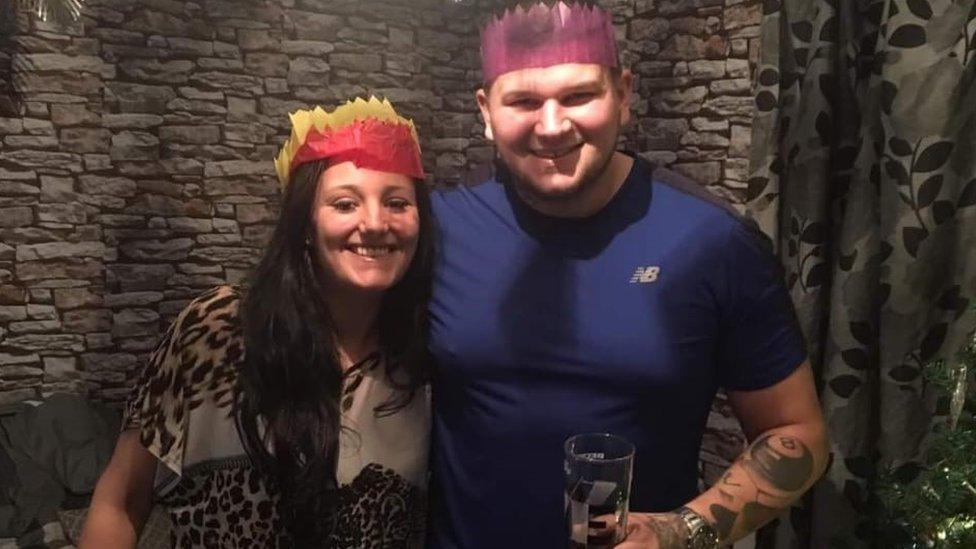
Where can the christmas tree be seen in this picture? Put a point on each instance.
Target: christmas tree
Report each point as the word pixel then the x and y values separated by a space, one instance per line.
pixel 937 508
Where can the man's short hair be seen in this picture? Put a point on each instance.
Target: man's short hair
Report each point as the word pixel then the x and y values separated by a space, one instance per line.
pixel 613 73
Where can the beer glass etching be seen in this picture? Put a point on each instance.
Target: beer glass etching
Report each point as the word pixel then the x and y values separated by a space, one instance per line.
pixel 598 469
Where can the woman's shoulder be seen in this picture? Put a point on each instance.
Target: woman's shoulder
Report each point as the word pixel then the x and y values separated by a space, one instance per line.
pixel 214 306
pixel 192 371
pixel 204 346
pixel 209 320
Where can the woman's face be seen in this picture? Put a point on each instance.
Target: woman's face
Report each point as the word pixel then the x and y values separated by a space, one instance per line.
pixel 366 227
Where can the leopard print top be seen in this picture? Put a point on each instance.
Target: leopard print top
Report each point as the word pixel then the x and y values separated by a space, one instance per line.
pixel 182 408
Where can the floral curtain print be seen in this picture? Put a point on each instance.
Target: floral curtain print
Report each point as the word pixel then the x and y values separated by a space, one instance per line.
pixel 864 173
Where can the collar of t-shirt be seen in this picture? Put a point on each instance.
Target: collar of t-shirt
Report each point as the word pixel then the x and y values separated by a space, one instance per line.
pixel 586 236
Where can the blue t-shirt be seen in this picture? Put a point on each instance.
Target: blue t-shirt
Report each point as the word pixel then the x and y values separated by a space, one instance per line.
pixel 624 322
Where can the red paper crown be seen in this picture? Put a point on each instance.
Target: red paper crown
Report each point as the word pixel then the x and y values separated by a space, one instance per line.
pixel 370 134
pixel 542 36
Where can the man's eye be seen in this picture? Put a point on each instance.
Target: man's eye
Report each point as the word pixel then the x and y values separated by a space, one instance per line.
pixel 579 98
pixel 344 206
pixel 523 103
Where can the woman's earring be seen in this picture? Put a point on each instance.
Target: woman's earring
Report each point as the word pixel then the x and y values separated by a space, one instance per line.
pixel 308 254
pixel 308 250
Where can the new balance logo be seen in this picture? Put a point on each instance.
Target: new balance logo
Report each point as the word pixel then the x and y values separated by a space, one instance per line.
pixel 644 275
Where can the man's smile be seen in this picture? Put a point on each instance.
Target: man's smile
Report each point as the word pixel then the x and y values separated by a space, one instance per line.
pixel 556 153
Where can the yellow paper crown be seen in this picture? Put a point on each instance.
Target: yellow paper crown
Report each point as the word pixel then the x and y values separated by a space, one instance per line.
pixel 355 109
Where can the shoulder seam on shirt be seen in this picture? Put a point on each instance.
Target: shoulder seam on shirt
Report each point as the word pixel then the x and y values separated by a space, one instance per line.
pixel 479 175
pixel 688 186
pixel 471 178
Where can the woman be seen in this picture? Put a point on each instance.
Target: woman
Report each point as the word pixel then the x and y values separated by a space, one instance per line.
pixel 294 412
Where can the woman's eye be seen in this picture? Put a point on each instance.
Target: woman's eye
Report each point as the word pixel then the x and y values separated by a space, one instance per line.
pixel 398 205
pixel 344 206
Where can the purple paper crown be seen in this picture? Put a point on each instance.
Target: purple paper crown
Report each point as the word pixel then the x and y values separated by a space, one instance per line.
pixel 541 36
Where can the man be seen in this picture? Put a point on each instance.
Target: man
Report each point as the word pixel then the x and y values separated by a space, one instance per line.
pixel 580 290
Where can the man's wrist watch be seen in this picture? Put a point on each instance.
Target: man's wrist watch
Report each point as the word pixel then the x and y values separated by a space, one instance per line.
pixel 701 535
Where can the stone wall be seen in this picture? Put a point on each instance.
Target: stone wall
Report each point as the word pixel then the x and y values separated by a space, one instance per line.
pixel 137 172
pixel 135 147
pixel 693 60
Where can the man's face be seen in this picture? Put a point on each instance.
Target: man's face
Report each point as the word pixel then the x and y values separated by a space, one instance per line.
pixel 556 127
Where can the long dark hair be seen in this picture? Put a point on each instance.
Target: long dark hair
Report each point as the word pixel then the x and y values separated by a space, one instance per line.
pixel 290 382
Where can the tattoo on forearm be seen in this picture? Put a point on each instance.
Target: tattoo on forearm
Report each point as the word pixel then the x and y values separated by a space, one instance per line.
pixel 773 470
pixel 725 486
pixel 669 530
pixel 724 520
pixel 752 516
pixel 784 462
pixel 729 481
pixel 755 513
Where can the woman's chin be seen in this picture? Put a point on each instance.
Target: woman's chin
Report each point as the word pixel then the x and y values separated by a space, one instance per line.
pixel 370 284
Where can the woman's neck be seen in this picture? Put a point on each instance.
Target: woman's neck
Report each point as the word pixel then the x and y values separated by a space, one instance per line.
pixel 354 320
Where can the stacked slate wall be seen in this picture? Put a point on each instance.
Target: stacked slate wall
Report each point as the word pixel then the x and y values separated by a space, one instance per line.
pixel 136 146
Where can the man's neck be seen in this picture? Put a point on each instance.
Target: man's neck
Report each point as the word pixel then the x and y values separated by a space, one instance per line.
pixel 591 199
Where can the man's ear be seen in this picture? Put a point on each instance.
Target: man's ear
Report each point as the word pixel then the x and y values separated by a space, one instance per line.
pixel 482 96
pixel 625 91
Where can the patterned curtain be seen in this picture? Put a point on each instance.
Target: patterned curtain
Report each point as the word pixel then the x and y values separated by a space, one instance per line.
pixel 863 170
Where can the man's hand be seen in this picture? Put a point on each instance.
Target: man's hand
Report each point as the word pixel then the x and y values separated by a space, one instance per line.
pixel 787 455
pixel 654 531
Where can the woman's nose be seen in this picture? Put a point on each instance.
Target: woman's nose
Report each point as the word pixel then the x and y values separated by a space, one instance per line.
pixel 373 220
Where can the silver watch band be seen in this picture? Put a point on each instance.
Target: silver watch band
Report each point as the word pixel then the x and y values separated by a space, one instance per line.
pixel 701 535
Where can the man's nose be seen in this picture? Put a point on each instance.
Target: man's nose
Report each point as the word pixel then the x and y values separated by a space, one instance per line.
pixel 552 120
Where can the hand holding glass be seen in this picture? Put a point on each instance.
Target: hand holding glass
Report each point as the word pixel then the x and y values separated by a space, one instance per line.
pixel 598 470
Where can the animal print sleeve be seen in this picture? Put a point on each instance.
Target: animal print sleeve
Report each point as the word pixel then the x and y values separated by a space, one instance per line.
pixel 156 408
pixel 192 364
